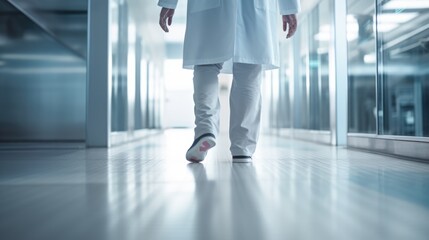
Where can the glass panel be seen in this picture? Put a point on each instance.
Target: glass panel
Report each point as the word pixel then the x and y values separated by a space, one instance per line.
pixel 286 76
pixel 319 66
pixel 140 80
pixel 42 83
pixel 403 32
pixel 314 37
pixel 361 66
pixel 137 58
pixel 302 95
pixel 119 32
pixel 66 21
pixel 151 96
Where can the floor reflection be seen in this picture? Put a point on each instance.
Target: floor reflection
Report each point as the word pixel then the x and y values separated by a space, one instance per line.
pixel 228 209
pixel 292 190
pixel 247 203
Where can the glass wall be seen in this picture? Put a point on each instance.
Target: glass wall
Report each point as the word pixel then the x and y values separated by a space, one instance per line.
pixel 303 92
pixel 303 83
pixel 283 109
pixel 388 88
pixel 383 55
pixel 137 54
pixel 66 21
pixel 403 64
pixel 361 66
pixel 320 30
pixel 42 75
pixel 119 26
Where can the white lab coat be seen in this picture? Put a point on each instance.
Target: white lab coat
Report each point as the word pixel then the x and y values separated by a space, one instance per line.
pixel 226 31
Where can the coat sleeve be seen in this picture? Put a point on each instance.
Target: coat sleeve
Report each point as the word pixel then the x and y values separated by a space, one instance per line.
pixel 168 3
pixel 287 7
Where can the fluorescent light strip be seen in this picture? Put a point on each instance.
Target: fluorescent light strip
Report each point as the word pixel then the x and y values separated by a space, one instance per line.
pixel 406 4
pixel 386 27
pixel 44 70
pixel 39 57
pixel 395 17
pixel 370 58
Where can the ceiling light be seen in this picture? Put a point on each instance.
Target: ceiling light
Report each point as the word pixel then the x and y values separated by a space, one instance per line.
pixel 352 28
pixel 386 27
pixel 395 17
pixel 406 4
pixel 322 36
pixel 370 58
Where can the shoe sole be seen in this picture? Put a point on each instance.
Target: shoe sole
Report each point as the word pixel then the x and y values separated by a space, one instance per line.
pixel 242 160
pixel 198 152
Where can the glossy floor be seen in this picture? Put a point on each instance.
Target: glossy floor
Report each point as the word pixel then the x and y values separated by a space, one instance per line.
pixel 146 190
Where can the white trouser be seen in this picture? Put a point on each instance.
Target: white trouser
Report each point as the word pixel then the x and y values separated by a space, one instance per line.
pixel 245 104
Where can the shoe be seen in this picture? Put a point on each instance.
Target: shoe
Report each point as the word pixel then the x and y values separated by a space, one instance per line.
pixel 241 159
pixel 198 151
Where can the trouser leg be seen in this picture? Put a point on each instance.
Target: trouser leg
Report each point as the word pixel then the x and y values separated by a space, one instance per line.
pixel 245 106
pixel 206 99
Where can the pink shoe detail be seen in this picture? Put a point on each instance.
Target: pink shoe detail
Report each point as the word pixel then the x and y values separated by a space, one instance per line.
pixel 205 146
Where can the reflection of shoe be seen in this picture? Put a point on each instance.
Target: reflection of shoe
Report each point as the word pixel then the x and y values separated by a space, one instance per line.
pixel 241 159
pixel 198 151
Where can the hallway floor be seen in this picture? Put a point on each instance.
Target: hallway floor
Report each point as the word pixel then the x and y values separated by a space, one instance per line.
pixel 146 190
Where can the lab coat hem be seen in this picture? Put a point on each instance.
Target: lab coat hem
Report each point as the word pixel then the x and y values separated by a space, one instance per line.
pixel 189 64
pixel 167 5
pixel 289 12
pixel 266 65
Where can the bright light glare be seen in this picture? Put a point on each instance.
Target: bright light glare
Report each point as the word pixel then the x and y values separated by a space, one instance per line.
pixel 386 27
pixel 324 35
pixel 389 21
pixel 395 17
pixel 132 33
pixel 352 28
pixel 406 4
pixel 176 77
pixel 322 51
pixel 114 31
pixel 370 58
pixel 176 34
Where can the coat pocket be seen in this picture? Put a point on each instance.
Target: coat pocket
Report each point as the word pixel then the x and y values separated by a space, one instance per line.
pixel 270 5
pixel 202 5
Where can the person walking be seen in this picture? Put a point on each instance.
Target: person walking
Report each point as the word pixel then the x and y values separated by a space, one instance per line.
pixel 231 36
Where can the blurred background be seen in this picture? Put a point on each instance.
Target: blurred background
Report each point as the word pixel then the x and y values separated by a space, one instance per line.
pixel 96 114
pixel 44 68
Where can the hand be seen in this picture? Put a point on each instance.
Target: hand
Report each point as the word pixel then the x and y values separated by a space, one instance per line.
pixel 165 16
pixel 290 22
